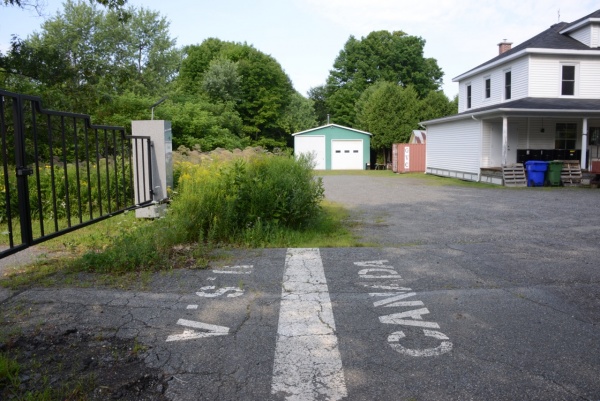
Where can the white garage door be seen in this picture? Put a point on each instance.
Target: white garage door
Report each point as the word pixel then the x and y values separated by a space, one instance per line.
pixel 347 155
pixel 311 145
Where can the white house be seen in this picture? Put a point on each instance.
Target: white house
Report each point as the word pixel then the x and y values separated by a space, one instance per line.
pixel 538 100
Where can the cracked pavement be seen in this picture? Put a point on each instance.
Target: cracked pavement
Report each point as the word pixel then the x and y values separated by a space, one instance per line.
pixel 510 276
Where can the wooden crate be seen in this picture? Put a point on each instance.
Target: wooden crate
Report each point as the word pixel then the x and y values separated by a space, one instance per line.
pixel 571 173
pixel 514 175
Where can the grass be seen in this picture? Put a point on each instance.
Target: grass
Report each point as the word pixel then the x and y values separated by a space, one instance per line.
pixel 58 265
pixel 11 384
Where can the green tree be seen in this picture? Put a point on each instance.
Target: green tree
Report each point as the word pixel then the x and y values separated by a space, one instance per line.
pixel 195 121
pixel 380 56
pixel 221 81
pixel 118 6
pixel 299 115
pixel 89 56
pixel 265 89
pixel 318 96
pixel 435 105
pixel 390 112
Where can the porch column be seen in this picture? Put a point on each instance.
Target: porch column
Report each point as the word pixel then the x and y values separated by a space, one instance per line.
pixel 584 141
pixel 504 140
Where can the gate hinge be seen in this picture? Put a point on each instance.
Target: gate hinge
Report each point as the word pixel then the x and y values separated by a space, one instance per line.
pixel 21 171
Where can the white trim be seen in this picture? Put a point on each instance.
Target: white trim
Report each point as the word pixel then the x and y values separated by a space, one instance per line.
pixel 504 72
pixel 524 52
pixel 486 78
pixel 522 113
pixel 575 79
pixel 332 125
pixel 579 24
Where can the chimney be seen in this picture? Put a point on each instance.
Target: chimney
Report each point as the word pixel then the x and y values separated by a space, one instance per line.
pixel 504 46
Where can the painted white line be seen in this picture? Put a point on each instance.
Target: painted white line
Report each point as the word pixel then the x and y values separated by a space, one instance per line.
pixel 241 269
pixel 307 365
pixel 192 307
pixel 212 330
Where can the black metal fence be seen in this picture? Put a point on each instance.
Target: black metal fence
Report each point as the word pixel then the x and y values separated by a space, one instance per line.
pixel 60 173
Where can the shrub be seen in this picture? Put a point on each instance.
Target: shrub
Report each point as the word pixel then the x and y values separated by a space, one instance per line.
pixel 240 201
pixel 219 202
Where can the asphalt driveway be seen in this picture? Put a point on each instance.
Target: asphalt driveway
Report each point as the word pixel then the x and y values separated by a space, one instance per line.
pixel 467 293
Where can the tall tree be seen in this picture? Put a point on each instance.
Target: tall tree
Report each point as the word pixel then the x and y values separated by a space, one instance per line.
pixel 380 56
pixel 390 112
pixel 221 81
pixel 318 96
pixel 91 56
pixel 299 115
pixel 117 6
pixel 265 89
pixel 435 105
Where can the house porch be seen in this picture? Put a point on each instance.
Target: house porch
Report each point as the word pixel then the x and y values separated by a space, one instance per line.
pixel 508 140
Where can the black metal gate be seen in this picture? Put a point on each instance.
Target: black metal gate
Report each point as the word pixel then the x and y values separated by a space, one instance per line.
pixel 60 173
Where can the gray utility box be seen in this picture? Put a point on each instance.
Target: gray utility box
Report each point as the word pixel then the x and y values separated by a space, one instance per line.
pixel 161 155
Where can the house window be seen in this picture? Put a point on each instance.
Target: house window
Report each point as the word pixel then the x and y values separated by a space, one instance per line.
pixel 488 88
pixel 566 136
pixel 507 85
pixel 568 80
pixel 468 96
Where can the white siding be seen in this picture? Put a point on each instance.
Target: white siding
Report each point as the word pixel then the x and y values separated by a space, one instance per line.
pixel 589 86
pixel 595 36
pixel 584 35
pixel 520 85
pixel 486 144
pixel 311 146
pixel 454 146
pixel 546 76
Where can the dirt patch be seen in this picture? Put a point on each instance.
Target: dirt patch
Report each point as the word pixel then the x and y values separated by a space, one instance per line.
pixel 71 364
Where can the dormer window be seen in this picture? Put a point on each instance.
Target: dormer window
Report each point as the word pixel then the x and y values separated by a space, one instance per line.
pixel 507 85
pixel 568 80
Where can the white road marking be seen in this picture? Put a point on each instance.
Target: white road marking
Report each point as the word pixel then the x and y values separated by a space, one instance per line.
pixel 241 269
pixel 192 307
pixel 445 346
pixel 408 318
pixel 237 292
pixel 391 273
pixel 212 330
pixel 307 365
pixel 397 318
pixel 389 302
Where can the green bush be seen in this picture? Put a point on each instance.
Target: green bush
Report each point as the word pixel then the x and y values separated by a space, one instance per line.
pixel 221 203
pixel 249 202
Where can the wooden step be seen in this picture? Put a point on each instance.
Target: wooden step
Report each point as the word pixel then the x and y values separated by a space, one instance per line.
pixel 514 175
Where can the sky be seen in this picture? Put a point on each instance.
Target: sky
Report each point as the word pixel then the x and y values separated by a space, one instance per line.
pixel 305 36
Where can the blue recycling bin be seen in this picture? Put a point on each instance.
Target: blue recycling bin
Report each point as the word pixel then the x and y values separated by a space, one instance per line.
pixel 536 171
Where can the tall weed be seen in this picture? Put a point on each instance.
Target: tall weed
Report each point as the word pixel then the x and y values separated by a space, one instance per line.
pixel 223 202
pixel 241 202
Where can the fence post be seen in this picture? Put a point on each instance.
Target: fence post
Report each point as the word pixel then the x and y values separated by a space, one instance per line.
pixel 22 171
pixel 161 156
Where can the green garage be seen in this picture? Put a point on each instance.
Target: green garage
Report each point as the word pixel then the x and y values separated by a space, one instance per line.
pixel 334 147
